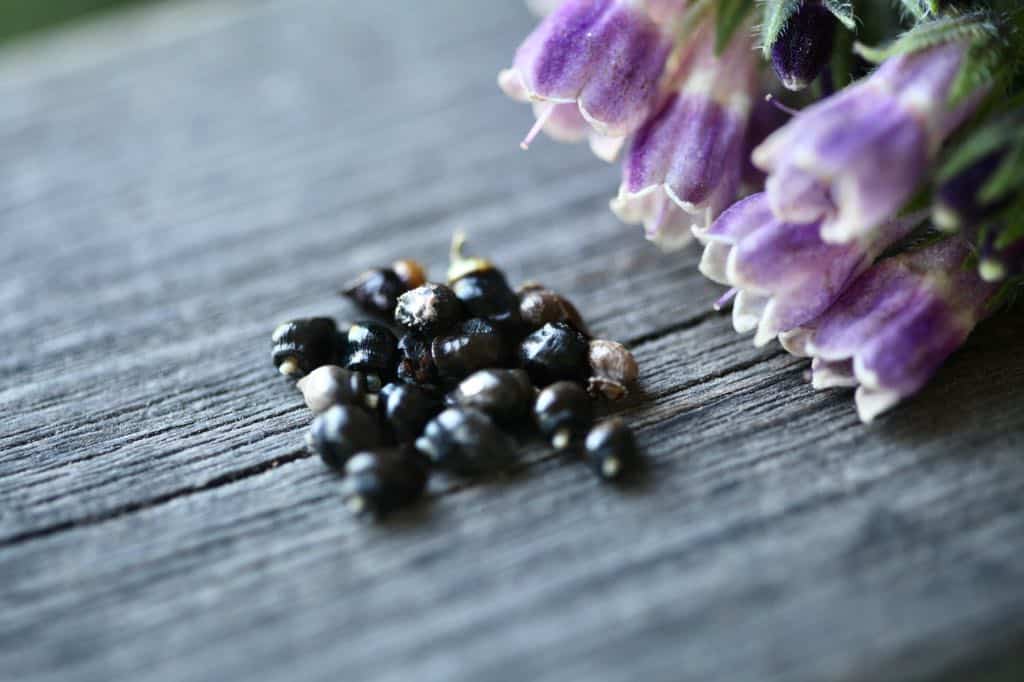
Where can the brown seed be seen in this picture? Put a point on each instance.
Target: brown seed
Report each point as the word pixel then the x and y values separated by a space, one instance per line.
pixel 613 369
pixel 410 272
pixel 538 306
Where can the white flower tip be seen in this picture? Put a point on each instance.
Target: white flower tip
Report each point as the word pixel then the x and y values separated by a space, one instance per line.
pixel 796 341
pixel 713 261
pixel 606 148
pixel 871 403
pixel 511 83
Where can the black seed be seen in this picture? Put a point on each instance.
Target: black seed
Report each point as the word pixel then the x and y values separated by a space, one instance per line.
pixel 302 345
pixel 416 363
pixel 555 352
pixel 610 448
pixel 376 291
pixel 332 385
pixel 378 482
pixel 407 408
pixel 475 344
pixel 613 369
pixel 429 309
pixel 465 441
pixel 342 431
pixel 372 349
pixel 506 395
pixel 564 413
pixel 539 306
pixel 486 294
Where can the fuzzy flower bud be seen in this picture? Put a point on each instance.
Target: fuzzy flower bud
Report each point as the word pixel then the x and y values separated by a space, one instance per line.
pixel 804 47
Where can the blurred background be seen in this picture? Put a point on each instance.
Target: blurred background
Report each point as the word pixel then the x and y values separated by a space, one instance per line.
pixel 19 17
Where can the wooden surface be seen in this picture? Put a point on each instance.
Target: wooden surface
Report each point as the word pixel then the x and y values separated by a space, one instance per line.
pixel 175 181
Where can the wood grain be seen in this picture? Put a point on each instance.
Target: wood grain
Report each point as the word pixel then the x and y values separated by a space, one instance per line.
pixel 177 180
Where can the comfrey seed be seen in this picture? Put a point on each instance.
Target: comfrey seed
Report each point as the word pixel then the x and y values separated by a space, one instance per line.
pixel 613 369
pixel 506 395
pixel 539 305
pixel 372 349
pixel 429 309
pixel 465 441
pixel 302 345
pixel 407 408
pixel 376 291
pixel 473 345
pixel 555 352
pixel 610 449
pixel 378 482
pixel 415 363
pixel 340 432
pixel 332 385
pixel 482 288
pixel 564 413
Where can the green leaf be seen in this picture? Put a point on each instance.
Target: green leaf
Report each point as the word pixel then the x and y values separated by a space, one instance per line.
pixel 980 143
pixel 731 14
pixel 843 11
pixel 1009 177
pixel 1012 234
pixel 975 27
pixel 776 15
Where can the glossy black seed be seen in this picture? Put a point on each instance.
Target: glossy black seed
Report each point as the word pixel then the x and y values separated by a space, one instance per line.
pixel 610 449
pixel 564 413
pixel 539 305
pixel 376 291
pixel 555 352
pixel 465 441
pixel 429 309
pixel 475 344
pixel 340 432
pixel 372 349
pixel 332 385
pixel 506 395
pixel 300 346
pixel 416 363
pixel 407 408
pixel 379 481
pixel 487 294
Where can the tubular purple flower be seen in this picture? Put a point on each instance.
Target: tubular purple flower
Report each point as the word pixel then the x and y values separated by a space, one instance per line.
pixel 783 273
pixel 853 159
pixel 605 56
pixel 894 326
pixel 691 151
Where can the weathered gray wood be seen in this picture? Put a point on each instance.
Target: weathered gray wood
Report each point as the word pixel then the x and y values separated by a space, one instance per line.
pixel 165 197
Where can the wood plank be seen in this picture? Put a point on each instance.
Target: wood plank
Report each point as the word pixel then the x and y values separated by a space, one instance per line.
pixel 164 203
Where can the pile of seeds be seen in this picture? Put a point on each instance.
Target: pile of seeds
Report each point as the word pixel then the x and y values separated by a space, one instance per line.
pixel 447 376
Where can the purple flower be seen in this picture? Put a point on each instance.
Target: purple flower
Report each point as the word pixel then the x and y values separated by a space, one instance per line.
pixel 853 159
pixel 605 56
pixel 804 47
pixel 894 326
pixel 783 273
pixel 690 153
